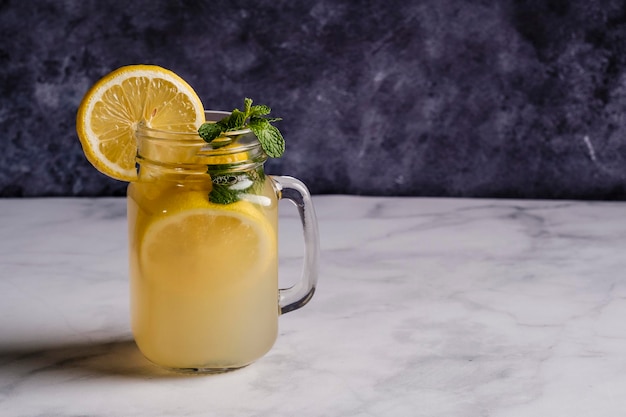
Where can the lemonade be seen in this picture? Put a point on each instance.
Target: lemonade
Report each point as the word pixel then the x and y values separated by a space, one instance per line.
pixel 195 263
pixel 202 217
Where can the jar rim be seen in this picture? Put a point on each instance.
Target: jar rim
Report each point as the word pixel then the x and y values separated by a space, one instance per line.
pixel 163 145
pixel 173 136
pixel 210 116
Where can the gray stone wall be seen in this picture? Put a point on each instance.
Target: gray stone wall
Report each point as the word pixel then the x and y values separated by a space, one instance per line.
pixel 497 98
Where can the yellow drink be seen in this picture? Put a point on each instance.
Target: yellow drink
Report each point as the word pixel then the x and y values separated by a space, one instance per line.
pixel 204 286
pixel 202 217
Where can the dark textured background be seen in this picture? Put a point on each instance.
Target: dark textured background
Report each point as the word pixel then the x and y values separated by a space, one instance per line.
pixel 498 98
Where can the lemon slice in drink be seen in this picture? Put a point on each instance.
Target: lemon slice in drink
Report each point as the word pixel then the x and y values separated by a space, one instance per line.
pixel 206 247
pixel 111 110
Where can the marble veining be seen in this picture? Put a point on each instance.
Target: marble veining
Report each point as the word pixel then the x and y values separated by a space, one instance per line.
pixel 425 307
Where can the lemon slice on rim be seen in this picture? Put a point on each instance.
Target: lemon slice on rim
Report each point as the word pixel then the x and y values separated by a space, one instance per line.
pixel 111 110
pixel 206 248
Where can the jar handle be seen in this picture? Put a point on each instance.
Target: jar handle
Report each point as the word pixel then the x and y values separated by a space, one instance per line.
pixel 299 294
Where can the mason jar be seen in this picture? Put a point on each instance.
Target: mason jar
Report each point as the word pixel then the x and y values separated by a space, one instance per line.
pixel 203 250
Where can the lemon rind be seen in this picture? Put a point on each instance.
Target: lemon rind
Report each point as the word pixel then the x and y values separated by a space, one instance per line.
pixel 89 139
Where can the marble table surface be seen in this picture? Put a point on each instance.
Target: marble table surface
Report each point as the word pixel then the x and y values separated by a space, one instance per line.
pixel 425 307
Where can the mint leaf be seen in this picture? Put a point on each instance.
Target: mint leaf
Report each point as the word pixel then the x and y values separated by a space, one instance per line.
pixel 210 131
pixel 222 194
pixel 229 188
pixel 272 142
pixel 269 136
pixel 236 120
pixel 271 139
pixel 247 105
pixel 260 110
pixel 257 124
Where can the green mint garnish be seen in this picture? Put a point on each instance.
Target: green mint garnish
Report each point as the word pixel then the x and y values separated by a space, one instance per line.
pixel 229 188
pixel 210 131
pixel 221 194
pixel 252 117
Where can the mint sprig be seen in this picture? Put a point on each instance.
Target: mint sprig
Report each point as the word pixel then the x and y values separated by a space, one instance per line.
pixel 222 194
pixel 229 189
pixel 252 117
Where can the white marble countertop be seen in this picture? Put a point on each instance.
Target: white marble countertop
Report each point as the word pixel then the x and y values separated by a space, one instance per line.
pixel 425 307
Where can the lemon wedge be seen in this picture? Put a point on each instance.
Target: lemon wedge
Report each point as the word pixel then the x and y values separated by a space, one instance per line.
pixel 200 246
pixel 109 113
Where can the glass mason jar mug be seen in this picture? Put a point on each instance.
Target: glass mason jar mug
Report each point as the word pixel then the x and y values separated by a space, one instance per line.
pixel 202 222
